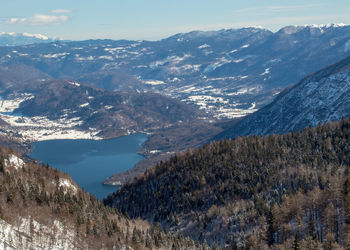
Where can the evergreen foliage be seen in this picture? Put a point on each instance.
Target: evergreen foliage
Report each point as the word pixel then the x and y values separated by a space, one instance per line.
pixel 287 189
pixel 34 191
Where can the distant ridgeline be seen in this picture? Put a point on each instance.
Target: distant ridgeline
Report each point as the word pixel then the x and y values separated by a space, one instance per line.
pixel 228 73
pixel 42 208
pixel 280 191
pixel 320 97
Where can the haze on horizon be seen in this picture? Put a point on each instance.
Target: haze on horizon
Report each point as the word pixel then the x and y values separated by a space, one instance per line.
pixel 156 19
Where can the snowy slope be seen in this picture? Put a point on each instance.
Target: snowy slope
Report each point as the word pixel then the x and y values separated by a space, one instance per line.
pixel 17 39
pixel 228 73
pixel 29 234
pixel 319 98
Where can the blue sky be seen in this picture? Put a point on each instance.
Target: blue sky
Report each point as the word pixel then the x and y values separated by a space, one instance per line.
pixel 155 19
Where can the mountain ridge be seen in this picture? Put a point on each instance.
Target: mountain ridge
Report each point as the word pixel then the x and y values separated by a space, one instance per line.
pixel 19 39
pixel 319 97
pixel 228 73
pixel 244 191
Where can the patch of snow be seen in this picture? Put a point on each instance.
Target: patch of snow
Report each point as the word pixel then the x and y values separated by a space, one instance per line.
pixel 219 63
pixel 232 113
pixel 175 79
pixel 266 72
pixel 106 58
pixel 27 233
pixel 253 106
pixel 207 52
pixel 78 58
pixel 65 183
pixel 154 82
pixel 329 25
pixel 14 161
pixel 38 36
pixel 243 91
pixel 13 102
pixel 55 55
pixel 84 105
pixel 75 84
pixel 39 128
pixel 184 69
pixel 239 92
pixel 204 46
pixel 112 50
pixel 204 100
pixel 170 59
pixel 154 151
pixel 222 78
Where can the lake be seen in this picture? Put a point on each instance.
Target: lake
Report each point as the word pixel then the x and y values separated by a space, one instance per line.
pixel 90 162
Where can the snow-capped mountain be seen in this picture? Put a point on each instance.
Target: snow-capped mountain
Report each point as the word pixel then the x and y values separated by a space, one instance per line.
pixel 228 73
pixel 321 97
pixel 17 39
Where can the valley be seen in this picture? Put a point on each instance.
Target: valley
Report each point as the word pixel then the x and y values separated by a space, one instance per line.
pixel 99 89
pixel 89 162
pixel 230 148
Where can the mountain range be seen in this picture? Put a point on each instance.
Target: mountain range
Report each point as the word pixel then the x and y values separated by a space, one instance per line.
pixel 225 74
pixel 17 39
pixel 228 73
pixel 323 96
pixel 288 188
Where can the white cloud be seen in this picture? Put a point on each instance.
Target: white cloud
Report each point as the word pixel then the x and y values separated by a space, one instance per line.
pixel 61 11
pixel 40 19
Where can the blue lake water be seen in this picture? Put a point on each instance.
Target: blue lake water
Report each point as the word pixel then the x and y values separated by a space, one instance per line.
pixel 90 162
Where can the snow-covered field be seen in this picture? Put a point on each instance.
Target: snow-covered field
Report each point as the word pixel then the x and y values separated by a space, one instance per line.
pixel 40 128
pixel 13 102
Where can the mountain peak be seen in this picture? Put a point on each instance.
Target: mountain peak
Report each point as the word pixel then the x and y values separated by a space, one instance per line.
pixel 291 29
pixel 38 36
pixel 18 39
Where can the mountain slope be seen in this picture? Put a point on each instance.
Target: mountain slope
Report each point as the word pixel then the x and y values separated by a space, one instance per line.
pixel 228 73
pixel 318 98
pixel 16 39
pixel 92 110
pixel 252 191
pixel 42 208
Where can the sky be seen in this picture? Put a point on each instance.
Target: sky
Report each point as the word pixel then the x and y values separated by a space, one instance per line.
pixel 156 19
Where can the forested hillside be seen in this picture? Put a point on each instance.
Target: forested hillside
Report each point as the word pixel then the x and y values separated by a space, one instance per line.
pixel 42 208
pixel 278 191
